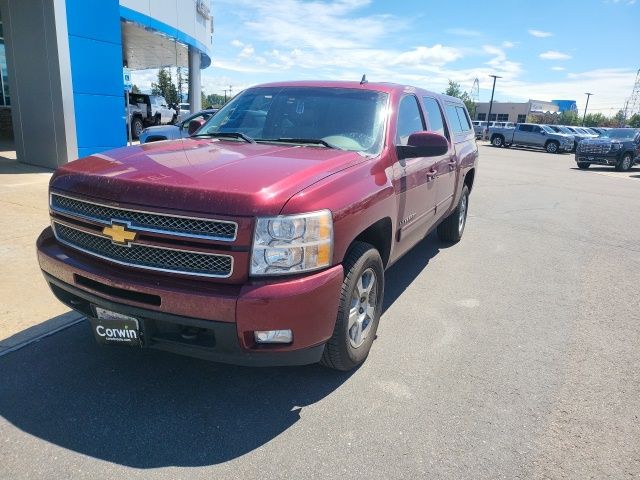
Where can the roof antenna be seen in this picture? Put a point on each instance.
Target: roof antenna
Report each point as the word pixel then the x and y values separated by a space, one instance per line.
pixel 364 79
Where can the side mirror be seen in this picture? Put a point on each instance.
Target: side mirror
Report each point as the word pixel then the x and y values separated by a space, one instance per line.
pixel 423 144
pixel 194 126
pixel 543 132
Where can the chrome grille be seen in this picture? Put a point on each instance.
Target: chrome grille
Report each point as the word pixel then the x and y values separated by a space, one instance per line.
pixel 144 256
pixel 146 221
pixel 594 148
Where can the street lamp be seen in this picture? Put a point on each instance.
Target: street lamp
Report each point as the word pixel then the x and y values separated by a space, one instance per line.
pixel 491 102
pixel 585 107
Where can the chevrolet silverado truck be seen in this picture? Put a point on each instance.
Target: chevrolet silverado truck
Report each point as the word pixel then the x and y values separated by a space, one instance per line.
pixel 618 147
pixel 263 238
pixel 531 135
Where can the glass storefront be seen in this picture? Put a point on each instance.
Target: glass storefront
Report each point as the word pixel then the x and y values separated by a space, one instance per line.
pixel 5 100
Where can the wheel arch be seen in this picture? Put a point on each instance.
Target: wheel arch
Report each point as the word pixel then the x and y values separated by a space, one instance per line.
pixel 379 235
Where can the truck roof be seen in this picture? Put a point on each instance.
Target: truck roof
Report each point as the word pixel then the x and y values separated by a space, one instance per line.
pixel 386 87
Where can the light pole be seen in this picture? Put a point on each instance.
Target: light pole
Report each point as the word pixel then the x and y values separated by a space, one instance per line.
pixel 491 102
pixel 585 107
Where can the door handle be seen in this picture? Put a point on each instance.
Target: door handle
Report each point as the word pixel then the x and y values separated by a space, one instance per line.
pixel 452 164
pixel 431 174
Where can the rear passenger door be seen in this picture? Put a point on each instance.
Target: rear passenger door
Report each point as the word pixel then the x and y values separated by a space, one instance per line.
pixel 522 135
pixel 446 164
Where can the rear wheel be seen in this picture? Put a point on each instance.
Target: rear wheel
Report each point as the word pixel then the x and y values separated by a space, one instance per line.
pixel 624 163
pixel 552 147
pixel 136 127
pixel 497 141
pixel 452 228
pixel 359 310
pixel 583 165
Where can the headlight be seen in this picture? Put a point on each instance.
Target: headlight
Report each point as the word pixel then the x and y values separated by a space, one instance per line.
pixel 292 243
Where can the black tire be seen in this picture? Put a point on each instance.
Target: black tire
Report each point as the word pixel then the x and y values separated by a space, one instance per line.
pixel 625 163
pixel 452 227
pixel 136 127
pixel 583 165
pixel 552 147
pixel 339 352
pixel 497 141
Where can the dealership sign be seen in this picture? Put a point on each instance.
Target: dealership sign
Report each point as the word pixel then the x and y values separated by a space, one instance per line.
pixel 202 7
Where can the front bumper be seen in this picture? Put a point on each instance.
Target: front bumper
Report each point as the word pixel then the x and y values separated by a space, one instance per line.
pixel 611 158
pixel 225 316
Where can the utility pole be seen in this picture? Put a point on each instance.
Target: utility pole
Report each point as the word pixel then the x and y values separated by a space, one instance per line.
pixel 491 102
pixel 225 94
pixel 585 107
pixel 230 92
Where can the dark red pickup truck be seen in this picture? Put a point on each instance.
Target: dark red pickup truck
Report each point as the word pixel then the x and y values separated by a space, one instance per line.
pixel 263 238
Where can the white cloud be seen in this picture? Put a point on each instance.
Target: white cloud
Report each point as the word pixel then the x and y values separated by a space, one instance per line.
pixel 436 55
pixel 463 32
pixel 247 51
pixel 508 44
pixel 558 69
pixel 237 43
pixel 539 33
pixel 554 55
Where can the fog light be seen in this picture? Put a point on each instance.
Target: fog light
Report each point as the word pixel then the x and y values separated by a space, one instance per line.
pixel 273 336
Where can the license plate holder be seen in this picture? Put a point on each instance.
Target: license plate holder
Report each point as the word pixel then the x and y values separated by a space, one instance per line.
pixel 113 328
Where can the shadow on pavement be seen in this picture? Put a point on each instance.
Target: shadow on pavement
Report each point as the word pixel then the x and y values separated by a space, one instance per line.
pixel 148 409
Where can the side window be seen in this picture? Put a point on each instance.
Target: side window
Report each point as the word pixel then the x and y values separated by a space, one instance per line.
pixel 464 119
pixel 409 119
pixel 454 120
pixel 525 128
pixel 536 129
pixel 434 114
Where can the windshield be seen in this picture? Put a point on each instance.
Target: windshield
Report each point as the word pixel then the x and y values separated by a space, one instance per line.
pixel 620 133
pixel 565 130
pixel 546 129
pixel 348 119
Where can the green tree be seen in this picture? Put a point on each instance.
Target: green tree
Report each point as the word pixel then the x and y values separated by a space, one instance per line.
pixel 214 100
pixel 135 89
pixel 634 121
pixel 182 78
pixel 596 120
pixel 454 90
pixel 165 87
pixel 569 117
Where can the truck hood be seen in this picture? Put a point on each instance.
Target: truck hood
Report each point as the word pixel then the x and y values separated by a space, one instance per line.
pixel 203 175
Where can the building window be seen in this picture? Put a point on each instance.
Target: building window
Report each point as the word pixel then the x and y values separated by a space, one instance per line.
pixel 482 117
pixel 503 117
pixel 522 118
pixel 493 117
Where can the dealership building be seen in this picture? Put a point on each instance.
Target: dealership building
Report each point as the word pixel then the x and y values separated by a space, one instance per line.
pixel 62 88
pixel 518 112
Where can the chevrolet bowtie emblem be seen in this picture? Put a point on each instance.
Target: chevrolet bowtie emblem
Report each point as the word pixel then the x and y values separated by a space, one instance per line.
pixel 119 234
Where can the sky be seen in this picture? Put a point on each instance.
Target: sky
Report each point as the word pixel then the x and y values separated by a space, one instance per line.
pixel 542 49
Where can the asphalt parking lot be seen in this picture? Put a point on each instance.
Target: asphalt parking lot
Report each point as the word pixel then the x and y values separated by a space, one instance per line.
pixel 514 354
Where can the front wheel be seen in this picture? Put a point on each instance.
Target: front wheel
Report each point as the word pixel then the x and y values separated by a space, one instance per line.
pixel 497 141
pixel 583 165
pixel 359 310
pixel 624 163
pixel 452 228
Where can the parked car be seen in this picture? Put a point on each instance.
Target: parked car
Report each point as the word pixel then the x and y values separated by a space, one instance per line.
pixel 183 110
pixel 530 135
pixel 160 110
pixel 565 131
pixel 619 147
pixel 145 110
pixel 179 130
pixel 479 127
pixel 262 239
pixel 578 135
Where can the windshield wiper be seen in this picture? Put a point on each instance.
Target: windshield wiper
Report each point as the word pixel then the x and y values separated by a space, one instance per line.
pixel 239 135
pixel 303 141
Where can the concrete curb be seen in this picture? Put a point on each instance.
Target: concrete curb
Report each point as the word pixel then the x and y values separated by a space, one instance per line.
pixel 38 332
